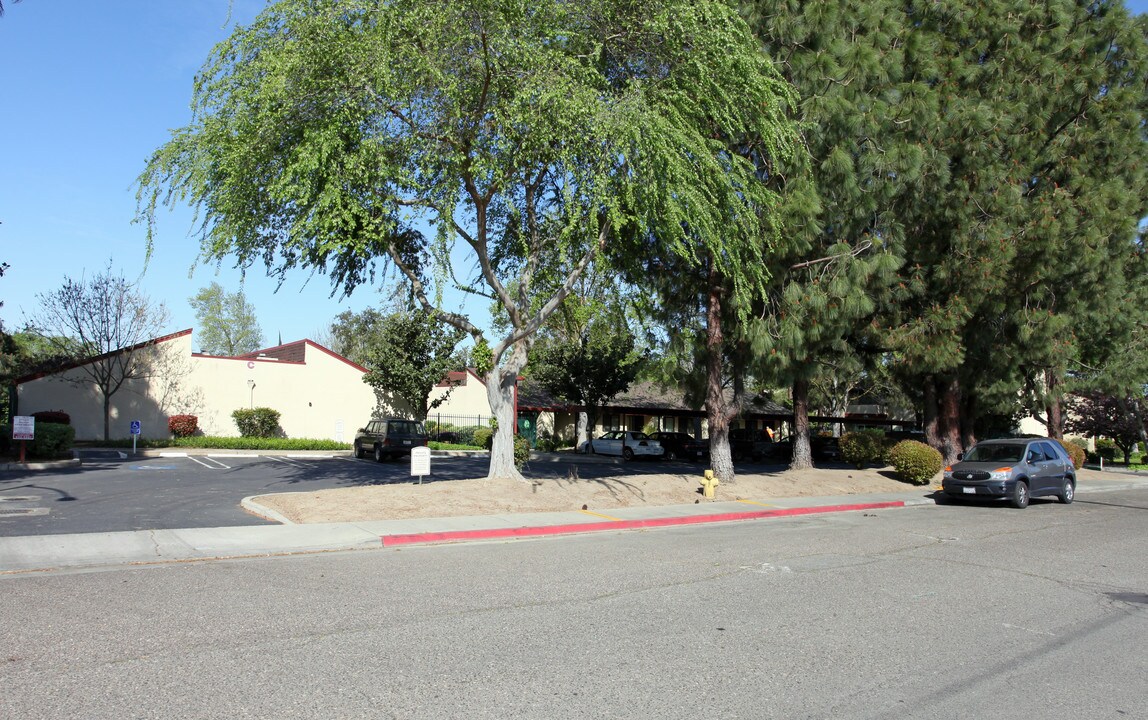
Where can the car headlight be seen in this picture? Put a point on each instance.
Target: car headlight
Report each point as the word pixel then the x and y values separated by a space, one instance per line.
pixel 948 473
pixel 1001 473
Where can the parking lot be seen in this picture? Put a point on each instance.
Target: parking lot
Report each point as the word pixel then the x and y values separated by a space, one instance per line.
pixel 113 491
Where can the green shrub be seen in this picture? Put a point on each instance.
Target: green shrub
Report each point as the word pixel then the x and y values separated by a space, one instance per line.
pixel 183 425
pixel 915 461
pixel 258 422
pixel 53 440
pixel 1075 452
pixel 1106 449
pixel 521 451
pixel 466 434
pixel 482 437
pixel 863 447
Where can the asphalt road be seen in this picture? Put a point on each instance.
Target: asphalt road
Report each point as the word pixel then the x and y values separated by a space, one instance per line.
pixel 973 611
pixel 111 492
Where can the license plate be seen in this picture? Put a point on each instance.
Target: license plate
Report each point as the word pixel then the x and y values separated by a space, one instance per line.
pixel 969 490
pixel 406 442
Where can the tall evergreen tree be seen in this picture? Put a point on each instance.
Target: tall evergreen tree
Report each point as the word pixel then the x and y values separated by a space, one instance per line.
pixel 1031 128
pixel 841 238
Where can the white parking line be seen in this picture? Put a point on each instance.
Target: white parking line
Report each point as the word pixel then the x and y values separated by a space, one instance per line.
pixel 217 466
pixel 287 461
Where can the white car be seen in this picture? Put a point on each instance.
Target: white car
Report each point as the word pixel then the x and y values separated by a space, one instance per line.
pixel 627 443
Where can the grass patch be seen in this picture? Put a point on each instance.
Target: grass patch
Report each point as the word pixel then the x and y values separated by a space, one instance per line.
pixel 433 445
pixel 224 443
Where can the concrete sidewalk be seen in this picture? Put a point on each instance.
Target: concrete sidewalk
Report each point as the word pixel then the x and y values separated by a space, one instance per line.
pixel 46 553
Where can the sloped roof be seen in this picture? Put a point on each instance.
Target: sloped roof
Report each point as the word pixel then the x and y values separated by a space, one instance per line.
pixel 295 352
pixel 642 397
pixel 287 352
pixel 88 361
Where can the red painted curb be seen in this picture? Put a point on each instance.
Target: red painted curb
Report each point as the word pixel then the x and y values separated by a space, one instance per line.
pixel 543 530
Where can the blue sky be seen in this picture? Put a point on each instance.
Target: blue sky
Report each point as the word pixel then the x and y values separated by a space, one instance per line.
pixel 87 91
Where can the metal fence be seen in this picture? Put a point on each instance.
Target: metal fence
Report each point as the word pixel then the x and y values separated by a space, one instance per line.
pixel 440 422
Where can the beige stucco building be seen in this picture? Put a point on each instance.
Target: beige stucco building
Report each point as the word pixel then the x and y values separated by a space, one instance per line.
pixel 318 393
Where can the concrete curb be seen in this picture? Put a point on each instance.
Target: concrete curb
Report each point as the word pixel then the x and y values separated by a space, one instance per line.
pixel 426 538
pixel 44 465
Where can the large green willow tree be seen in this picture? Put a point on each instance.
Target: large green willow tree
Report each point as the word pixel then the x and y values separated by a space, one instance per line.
pixel 538 135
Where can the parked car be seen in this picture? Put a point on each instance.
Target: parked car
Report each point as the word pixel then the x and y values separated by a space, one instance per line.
pixel 1017 469
pixel 389 438
pixel 825 447
pixel 680 445
pixel 749 444
pixel 820 448
pixel 627 443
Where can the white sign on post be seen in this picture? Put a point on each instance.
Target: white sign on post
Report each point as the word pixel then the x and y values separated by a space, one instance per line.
pixel 23 427
pixel 420 462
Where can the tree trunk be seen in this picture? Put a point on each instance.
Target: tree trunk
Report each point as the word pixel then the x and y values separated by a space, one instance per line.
pixel 932 428
pixel 107 417
pixel 500 384
pixel 717 412
pixel 802 455
pixel 1052 408
pixel 949 420
pixel 968 412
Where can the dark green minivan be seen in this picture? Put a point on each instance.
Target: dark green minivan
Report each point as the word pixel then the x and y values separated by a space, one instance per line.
pixel 389 438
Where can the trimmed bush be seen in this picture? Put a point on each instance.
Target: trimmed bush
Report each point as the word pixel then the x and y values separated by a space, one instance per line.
pixel 915 462
pixel 482 437
pixel 258 422
pixel 466 434
pixel 1106 449
pixel 521 451
pixel 58 417
pixel 863 447
pixel 1075 452
pixel 183 425
pixel 53 440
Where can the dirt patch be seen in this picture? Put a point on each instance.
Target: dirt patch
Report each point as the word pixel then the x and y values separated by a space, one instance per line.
pixel 452 498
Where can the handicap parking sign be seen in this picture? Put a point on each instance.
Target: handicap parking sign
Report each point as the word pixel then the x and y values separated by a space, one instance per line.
pixel 135 427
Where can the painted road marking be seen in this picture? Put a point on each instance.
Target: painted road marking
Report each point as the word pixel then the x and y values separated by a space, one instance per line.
pixel 19 498
pixel 288 461
pixel 8 512
pixel 217 466
pixel 751 502
pixel 600 515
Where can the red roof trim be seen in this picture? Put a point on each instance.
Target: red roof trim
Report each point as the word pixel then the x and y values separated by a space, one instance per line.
pixel 89 361
pixel 336 355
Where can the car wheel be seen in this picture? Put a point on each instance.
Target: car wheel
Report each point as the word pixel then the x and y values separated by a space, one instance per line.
pixel 379 456
pixel 1019 497
pixel 670 455
pixel 1068 491
pixel 627 454
pixel 358 452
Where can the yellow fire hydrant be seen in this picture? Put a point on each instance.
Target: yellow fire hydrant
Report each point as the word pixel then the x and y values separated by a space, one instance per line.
pixel 709 482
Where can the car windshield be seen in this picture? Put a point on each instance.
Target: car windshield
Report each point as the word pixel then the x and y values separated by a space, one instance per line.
pixel 995 453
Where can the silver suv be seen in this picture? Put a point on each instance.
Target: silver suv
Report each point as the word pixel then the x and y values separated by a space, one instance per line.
pixel 1017 469
pixel 389 438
